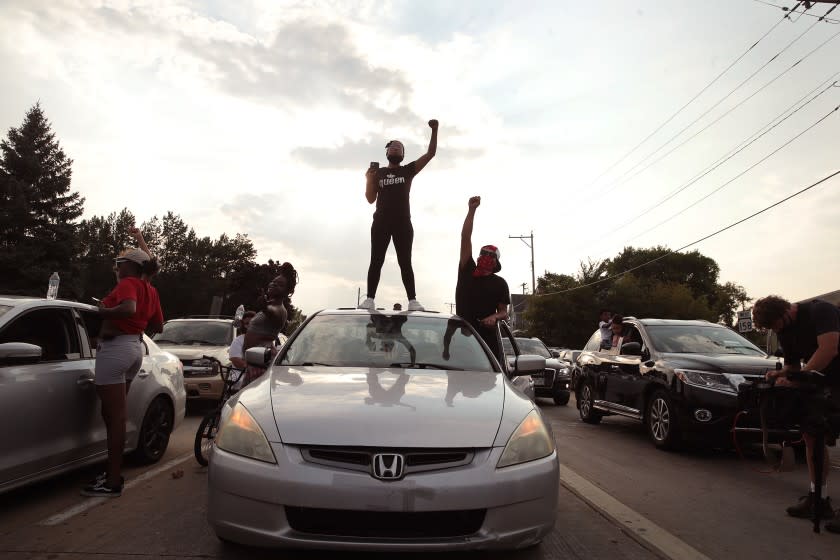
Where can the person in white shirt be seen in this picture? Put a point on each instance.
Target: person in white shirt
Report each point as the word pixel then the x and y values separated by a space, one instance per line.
pixel 237 350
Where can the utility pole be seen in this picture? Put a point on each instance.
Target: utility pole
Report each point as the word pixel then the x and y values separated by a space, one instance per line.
pixel 531 245
pixel 451 307
pixel 523 284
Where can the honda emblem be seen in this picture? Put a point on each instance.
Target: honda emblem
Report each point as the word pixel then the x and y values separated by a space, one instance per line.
pixel 388 466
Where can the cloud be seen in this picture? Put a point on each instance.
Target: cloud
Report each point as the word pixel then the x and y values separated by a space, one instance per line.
pixel 357 155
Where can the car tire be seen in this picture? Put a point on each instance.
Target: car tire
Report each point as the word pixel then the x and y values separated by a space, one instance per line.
pixel 204 437
pixel 153 438
pixel 561 398
pixel 586 403
pixel 661 421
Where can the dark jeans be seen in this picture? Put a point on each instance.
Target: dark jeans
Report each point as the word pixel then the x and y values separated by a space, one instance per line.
pixel 381 233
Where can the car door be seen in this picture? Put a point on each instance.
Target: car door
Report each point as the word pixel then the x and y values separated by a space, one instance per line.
pixel 52 404
pixel 522 383
pixel 624 383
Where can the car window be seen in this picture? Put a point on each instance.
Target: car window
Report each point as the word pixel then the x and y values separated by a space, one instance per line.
pixel 594 343
pixel 532 346
pixel 632 334
pixel 204 333
pixel 699 339
pixel 385 340
pixel 54 330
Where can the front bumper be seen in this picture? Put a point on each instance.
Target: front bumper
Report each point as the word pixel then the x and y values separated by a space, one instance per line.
pixel 247 501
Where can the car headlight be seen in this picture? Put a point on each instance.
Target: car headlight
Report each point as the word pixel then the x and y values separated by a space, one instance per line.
pixel 563 371
pixel 239 433
pixel 530 441
pixel 709 380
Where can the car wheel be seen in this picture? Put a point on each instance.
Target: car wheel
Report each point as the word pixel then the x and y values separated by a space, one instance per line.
pixel 561 398
pixel 155 431
pixel 204 437
pixel 587 404
pixel 661 421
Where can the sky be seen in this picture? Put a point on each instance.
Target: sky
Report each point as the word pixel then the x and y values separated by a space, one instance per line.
pixel 261 116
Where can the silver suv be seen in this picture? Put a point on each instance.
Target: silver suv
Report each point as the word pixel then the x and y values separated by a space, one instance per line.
pixel 192 338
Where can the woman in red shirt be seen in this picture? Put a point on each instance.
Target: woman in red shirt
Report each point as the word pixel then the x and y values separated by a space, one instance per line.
pixel 130 309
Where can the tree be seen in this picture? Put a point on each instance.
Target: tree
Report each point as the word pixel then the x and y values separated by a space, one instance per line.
pixel 38 234
pixel 102 238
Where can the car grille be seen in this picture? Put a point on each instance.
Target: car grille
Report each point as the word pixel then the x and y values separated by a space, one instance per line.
pixel 385 524
pixel 416 460
pixel 197 371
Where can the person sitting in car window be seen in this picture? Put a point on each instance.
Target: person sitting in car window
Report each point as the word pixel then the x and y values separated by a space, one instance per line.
pixel 617 328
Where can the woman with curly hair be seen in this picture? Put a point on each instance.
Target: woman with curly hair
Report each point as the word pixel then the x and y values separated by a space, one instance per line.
pixel 270 321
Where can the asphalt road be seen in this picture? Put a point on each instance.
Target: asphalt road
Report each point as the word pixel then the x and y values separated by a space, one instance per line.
pixel 620 499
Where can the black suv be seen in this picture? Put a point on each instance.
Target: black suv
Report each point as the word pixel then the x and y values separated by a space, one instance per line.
pixel 679 378
pixel 555 381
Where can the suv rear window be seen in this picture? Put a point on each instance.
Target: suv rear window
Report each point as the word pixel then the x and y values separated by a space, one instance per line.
pixel 692 339
pixel 210 333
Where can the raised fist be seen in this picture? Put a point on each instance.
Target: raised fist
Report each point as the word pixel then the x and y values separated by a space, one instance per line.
pixel 474 202
pixel 433 124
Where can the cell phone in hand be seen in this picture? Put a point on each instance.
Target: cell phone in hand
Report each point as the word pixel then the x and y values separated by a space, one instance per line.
pixel 374 165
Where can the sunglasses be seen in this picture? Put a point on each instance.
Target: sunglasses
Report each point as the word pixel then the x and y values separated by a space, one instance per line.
pixel 485 253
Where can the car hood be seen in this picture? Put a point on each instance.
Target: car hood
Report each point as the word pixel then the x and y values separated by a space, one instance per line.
pixel 196 352
pixel 555 364
pixel 728 363
pixel 386 407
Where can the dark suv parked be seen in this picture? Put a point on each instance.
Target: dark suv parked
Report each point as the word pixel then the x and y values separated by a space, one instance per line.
pixel 680 378
pixel 555 382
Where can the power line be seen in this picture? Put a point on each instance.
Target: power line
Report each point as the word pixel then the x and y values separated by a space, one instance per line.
pixel 730 226
pixel 690 101
pixel 623 177
pixel 717 120
pixel 732 153
pixel 803 13
pixel 750 168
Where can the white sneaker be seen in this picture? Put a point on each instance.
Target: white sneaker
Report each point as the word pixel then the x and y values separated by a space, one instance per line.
pixel 414 305
pixel 368 304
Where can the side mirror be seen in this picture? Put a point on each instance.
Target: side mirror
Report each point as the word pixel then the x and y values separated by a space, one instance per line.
pixel 258 356
pixel 18 353
pixel 631 349
pixel 527 364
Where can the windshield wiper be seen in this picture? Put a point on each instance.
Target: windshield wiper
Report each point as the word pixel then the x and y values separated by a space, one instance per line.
pixel 200 341
pixel 158 340
pixel 304 364
pixel 423 365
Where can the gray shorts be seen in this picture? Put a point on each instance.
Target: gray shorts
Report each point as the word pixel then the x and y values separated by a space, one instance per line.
pixel 118 359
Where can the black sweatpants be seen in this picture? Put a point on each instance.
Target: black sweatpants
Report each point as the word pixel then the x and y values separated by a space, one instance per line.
pixel 381 233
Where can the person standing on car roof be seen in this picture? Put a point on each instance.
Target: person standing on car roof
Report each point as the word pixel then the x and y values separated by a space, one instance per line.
pixel 481 296
pixel 389 187
pixel 269 322
pixel 810 332
pixel 131 308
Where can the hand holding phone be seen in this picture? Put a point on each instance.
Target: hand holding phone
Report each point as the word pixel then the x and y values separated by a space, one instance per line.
pixel 374 165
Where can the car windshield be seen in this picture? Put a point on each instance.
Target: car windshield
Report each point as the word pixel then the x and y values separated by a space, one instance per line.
pixel 695 339
pixel 531 346
pixel 4 309
pixel 204 333
pixel 387 341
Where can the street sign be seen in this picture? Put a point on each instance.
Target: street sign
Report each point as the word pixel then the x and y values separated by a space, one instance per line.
pixel 745 314
pixel 745 325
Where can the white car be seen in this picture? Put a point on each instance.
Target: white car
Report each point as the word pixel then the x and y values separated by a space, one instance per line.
pixel 47 393
pixel 384 431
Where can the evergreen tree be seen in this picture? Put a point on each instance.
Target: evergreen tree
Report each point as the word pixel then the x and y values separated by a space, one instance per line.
pixel 38 211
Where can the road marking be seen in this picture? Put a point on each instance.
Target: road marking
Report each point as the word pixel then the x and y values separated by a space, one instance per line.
pixel 640 528
pixel 93 502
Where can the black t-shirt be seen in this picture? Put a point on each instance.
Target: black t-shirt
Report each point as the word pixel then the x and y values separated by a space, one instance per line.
pixel 476 297
pixel 799 339
pixel 394 184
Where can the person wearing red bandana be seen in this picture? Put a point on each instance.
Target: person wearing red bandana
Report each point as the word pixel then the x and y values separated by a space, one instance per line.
pixel 389 187
pixel 481 296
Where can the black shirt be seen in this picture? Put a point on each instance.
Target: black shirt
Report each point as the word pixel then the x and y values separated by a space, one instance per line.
pixel 393 184
pixel 799 339
pixel 477 297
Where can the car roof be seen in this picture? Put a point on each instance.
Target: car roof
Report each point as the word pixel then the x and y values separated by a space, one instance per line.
pixel 354 311
pixel 26 302
pixel 687 322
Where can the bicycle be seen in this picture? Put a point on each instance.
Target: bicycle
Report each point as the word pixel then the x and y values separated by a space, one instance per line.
pixel 209 426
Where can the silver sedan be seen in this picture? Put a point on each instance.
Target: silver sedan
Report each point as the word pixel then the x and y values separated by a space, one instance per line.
pixel 48 400
pixel 385 432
